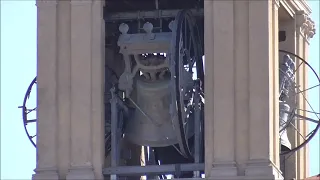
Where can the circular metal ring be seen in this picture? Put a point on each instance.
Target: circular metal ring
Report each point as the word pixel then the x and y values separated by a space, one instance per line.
pixel 299 113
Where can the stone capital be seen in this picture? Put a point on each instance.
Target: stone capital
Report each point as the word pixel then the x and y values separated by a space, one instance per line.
pixel 276 3
pixel 305 25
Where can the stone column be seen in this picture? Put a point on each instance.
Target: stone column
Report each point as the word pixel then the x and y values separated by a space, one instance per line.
pixel 97 87
pixel 241 115
pixel 305 29
pixel 263 87
pixel 87 72
pixel 47 91
pixel 241 72
pixel 223 90
pixel 220 82
pixel 64 86
pixel 208 115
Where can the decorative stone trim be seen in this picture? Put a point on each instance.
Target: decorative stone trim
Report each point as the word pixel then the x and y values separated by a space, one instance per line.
pixel 305 25
pixel 45 3
pixel 301 5
pixel 223 169
pixel 293 7
pixel 81 2
pixel 276 3
pixel 263 169
pixel 80 173
pixel 45 173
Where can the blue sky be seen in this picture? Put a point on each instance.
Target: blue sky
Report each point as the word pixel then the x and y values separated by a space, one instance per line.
pixel 18 68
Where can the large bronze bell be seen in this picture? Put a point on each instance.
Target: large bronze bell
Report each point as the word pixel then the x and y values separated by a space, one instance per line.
pixel 152 123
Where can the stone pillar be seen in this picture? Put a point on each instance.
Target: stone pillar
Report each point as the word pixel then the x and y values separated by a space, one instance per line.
pixel 64 86
pixel 263 87
pixel 70 139
pixel 305 29
pixel 241 112
pixel 241 72
pixel 47 113
pixel 87 78
pixel 220 113
pixel 208 115
pixel 97 87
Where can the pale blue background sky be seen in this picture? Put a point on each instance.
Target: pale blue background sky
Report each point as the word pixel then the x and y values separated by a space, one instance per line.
pixel 18 68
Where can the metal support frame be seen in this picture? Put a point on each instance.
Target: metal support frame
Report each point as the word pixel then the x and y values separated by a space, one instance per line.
pixel 153 169
pixel 116 170
pixel 112 17
pixel 114 132
pixel 197 126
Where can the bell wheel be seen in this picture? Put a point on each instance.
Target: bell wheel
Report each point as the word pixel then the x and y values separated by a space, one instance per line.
pixel 29 112
pixel 186 67
pixel 295 104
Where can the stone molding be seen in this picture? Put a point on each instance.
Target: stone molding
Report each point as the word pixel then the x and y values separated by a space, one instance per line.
pixel 43 3
pixel 80 172
pixel 297 6
pixel 262 169
pixel 301 5
pixel 276 3
pixel 81 2
pixel 223 169
pixel 45 173
pixel 294 7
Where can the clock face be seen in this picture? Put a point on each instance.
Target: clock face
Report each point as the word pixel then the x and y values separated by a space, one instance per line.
pixel 29 112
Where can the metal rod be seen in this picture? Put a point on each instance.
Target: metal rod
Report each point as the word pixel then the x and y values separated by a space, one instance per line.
pixel 31 120
pixel 111 17
pixel 150 160
pixel 114 132
pixel 303 117
pixel 157 4
pixel 153 169
pixel 197 129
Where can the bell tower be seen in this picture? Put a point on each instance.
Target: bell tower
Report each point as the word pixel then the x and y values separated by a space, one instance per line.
pixel 188 88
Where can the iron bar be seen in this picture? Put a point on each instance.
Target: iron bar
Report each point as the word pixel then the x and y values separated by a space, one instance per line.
pixel 114 132
pixel 152 169
pixel 303 117
pixel 197 138
pixel 111 17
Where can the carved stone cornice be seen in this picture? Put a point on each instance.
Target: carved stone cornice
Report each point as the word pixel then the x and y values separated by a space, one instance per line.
pixel 305 25
pixel 302 5
pixel 294 6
